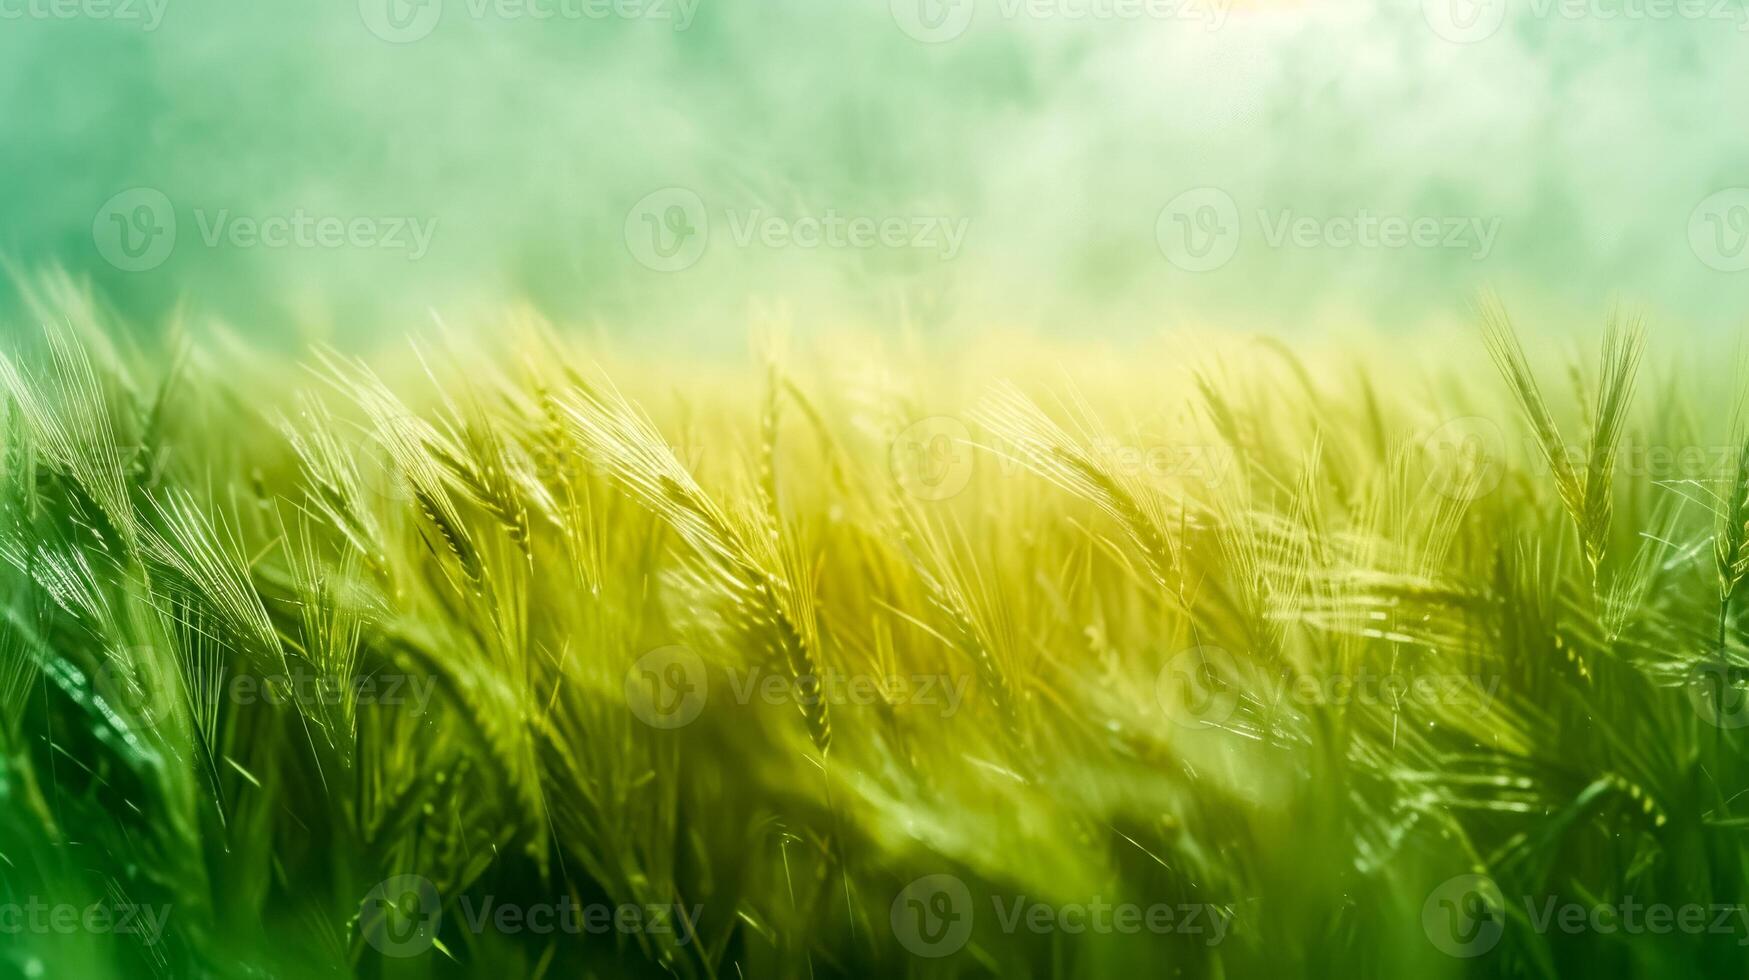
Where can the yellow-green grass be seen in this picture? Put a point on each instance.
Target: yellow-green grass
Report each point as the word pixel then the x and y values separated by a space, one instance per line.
pixel 859 651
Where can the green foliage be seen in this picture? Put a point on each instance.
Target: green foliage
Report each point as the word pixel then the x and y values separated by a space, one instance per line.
pixel 1294 643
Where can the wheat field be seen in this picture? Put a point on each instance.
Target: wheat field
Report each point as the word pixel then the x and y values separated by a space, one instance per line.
pixel 503 652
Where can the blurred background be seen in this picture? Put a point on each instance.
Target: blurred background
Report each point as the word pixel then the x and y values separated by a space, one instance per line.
pixel 339 169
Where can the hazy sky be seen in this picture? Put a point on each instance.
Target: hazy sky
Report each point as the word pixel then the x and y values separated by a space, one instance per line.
pixel 1089 167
